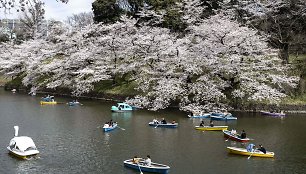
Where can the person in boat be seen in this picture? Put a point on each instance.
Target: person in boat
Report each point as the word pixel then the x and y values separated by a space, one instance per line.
pixel 106 125
pixel 148 161
pixel 211 123
pixel 163 121
pixel 173 121
pixel 155 121
pixel 250 147
pixel 262 149
pixel 136 160
pixel 242 135
pixel 111 123
pixel 202 124
pixel 233 132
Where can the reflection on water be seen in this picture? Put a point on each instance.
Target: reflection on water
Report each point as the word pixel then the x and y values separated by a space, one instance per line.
pixel 71 140
pixel 126 115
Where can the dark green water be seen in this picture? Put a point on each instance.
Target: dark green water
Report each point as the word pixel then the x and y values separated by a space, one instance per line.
pixel 70 140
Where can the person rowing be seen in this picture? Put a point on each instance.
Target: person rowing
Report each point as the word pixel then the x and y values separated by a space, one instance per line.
pixel 202 124
pixel 242 135
pixel 262 149
pixel 211 123
pixel 163 121
pixel 250 147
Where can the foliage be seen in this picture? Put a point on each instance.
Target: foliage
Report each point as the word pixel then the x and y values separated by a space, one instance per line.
pixel 79 21
pixel 282 20
pixel 217 60
pixel 107 11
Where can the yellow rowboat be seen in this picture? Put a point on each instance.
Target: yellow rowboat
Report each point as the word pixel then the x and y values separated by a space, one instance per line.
pixel 243 151
pixel 209 128
pixel 48 103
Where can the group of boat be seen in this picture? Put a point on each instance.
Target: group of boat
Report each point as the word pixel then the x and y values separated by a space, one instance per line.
pixel 225 116
pixel 232 135
pixel 23 146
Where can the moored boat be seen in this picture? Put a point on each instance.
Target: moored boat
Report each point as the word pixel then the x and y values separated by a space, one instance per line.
pixel 168 125
pixel 243 151
pixel 107 128
pixel 211 128
pixel 223 114
pixel 122 107
pixel 223 118
pixel 153 168
pixel 272 113
pixel 234 137
pixel 74 103
pixel 22 146
pixel 207 115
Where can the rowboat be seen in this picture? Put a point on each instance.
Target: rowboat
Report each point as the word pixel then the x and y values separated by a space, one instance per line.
pixel 209 128
pixel 48 102
pixel 243 151
pixel 234 137
pixel 22 146
pixel 107 128
pixel 74 103
pixel 272 113
pixel 168 125
pixel 207 115
pixel 223 118
pixel 154 167
pixel 221 114
pixel 122 107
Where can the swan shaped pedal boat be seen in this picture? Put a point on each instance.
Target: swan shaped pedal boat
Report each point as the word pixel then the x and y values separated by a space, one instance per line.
pixel 22 146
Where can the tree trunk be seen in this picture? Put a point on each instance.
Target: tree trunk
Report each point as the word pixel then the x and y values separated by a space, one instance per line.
pixel 284 52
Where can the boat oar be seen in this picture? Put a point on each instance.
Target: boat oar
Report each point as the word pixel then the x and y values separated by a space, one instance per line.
pixel 251 155
pixel 139 168
pixel 156 126
pixel 228 138
pixel 120 127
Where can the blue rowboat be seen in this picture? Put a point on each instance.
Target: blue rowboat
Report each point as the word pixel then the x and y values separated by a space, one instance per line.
pixel 223 118
pixel 221 114
pixel 74 103
pixel 207 115
pixel 273 113
pixel 122 107
pixel 153 168
pixel 107 128
pixel 168 125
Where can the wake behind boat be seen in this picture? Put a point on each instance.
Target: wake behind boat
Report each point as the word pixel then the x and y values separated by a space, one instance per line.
pixel 154 167
pixel 243 151
pixel 22 146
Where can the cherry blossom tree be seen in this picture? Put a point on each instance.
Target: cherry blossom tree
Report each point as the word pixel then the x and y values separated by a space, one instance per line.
pixel 218 60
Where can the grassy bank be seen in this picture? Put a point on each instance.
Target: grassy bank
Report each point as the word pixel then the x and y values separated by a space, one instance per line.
pixel 3 80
